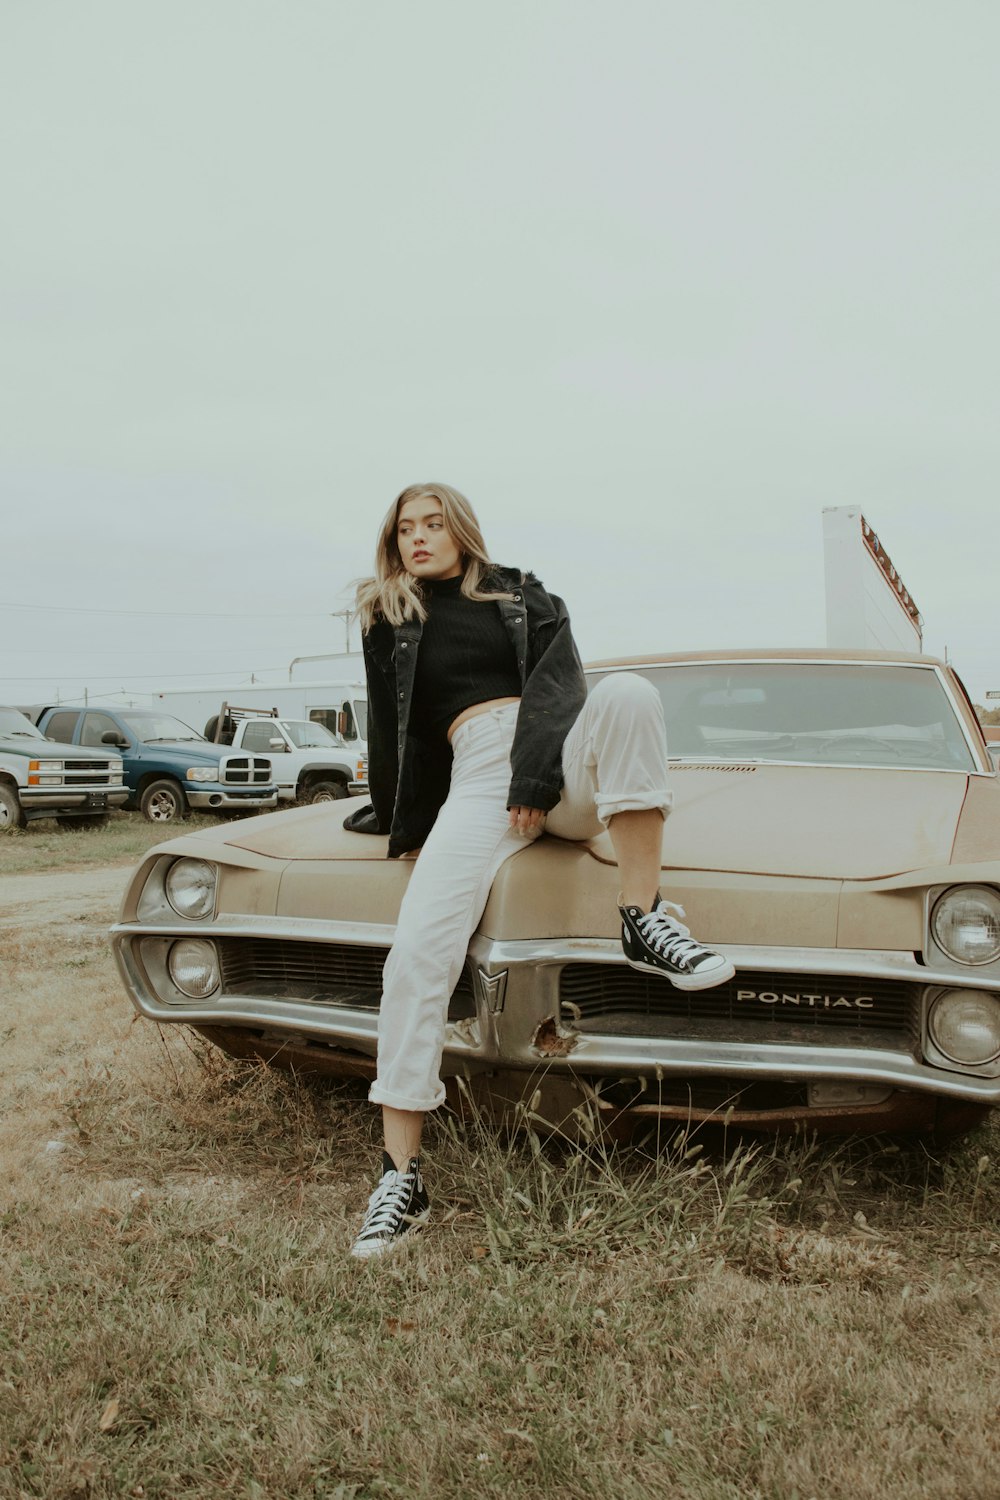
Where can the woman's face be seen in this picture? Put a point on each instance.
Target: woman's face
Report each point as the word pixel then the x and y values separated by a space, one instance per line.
pixel 426 546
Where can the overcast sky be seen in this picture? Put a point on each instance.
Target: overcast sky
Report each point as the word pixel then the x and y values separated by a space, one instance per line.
pixel 651 282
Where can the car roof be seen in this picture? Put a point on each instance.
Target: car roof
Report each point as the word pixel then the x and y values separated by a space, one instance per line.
pixel 776 653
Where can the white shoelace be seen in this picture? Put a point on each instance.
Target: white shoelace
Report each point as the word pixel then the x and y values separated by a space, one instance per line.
pixel 669 937
pixel 387 1205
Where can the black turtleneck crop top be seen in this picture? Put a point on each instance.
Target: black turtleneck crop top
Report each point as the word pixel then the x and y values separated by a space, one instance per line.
pixel 465 657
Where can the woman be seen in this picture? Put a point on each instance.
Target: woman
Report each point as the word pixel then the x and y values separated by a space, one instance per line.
pixel 481 733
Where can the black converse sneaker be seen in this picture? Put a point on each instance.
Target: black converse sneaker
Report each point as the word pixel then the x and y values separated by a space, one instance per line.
pixel 657 943
pixel 399 1203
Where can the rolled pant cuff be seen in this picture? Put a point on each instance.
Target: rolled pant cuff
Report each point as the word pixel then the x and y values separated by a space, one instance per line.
pixel 609 804
pixel 384 1096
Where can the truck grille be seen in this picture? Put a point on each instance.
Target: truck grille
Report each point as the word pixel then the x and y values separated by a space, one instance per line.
pixel 619 1001
pixel 320 973
pixel 245 770
pixel 92 772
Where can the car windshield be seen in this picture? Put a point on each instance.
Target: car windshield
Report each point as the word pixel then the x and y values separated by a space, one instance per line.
pixel 152 727
pixel 12 722
pixel 308 736
pixel 813 713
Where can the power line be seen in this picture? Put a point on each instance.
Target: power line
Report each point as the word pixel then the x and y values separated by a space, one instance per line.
pixel 176 614
pixel 147 676
pixel 155 651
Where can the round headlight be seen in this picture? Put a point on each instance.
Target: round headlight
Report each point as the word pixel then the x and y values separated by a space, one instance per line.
pixel 965 1026
pixel 190 887
pixel 193 965
pixel 966 924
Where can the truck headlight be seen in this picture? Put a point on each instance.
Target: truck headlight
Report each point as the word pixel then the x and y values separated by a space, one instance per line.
pixel 964 1025
pixel 193 966
pixel 202 773
pixel 45 765
pixel 965 924
pixel 190 886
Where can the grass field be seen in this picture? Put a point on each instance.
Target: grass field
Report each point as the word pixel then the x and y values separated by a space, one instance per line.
pixel 42 846
pixel 723 1320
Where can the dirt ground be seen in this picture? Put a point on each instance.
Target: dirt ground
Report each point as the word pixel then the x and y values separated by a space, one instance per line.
pixel 63 896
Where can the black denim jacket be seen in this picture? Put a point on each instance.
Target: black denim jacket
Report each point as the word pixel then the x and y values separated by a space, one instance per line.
pixel 408 778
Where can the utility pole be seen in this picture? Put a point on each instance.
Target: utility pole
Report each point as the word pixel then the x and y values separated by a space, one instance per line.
pixel 345 615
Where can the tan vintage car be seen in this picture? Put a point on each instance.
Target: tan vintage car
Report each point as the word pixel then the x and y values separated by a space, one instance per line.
pixel 836 832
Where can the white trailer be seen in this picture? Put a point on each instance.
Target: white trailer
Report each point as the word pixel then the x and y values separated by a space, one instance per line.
pixel 341 706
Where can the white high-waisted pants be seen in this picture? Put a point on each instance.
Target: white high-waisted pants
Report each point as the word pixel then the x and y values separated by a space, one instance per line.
pixel 614 760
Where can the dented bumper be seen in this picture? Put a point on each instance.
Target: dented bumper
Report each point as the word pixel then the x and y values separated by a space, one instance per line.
pixel 843 1028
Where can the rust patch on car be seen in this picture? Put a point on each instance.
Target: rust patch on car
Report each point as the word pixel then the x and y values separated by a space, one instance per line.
pixel 552 1040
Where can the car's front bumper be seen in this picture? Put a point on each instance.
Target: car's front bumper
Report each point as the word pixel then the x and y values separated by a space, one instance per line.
pixel 76 799
pixel 516 1021
pixel 219 798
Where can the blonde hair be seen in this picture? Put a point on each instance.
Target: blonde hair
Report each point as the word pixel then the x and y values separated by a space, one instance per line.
pixel 394 594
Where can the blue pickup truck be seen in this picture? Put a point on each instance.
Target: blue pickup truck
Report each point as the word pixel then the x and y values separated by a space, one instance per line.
pixel 169 768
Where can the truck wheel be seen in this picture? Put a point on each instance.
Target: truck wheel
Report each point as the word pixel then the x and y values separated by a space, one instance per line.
pixel 163 802
pixel 324 791
pixel 11 815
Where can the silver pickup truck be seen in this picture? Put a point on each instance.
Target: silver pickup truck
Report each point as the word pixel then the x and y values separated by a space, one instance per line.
pixel 40 779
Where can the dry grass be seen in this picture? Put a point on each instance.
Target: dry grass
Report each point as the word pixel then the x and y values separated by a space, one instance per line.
pixel 180 1317
pixel 43 846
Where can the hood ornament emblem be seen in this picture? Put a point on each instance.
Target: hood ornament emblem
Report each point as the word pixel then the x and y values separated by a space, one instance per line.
pixel 494 988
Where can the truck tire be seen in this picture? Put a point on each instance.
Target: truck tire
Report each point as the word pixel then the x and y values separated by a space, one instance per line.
pixel 324 791
pixel 163 802
pixel 11 815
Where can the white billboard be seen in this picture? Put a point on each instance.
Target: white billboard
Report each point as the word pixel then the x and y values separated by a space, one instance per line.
pixel 867 603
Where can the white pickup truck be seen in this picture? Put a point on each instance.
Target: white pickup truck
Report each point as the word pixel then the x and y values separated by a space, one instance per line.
pixel 309 764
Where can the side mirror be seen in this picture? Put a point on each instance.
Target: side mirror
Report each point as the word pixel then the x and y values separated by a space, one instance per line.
pixel 113 737
pixel 277 745
pixel 342 724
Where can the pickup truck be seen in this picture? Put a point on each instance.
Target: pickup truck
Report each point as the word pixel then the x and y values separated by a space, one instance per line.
pixel 309 763
pixel 39 779
pixel 169 768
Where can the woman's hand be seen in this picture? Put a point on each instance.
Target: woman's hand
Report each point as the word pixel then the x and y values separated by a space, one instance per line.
pixel 527 821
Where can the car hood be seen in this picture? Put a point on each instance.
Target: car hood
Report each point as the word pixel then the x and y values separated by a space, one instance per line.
pixel 47 749
pixel 835 823
pixel 194 750
pixel 841 823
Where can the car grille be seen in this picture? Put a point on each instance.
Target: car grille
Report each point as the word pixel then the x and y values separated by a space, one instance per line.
pixel 245 770
pixel 619 1001
pixel 91 772
pixel 319 973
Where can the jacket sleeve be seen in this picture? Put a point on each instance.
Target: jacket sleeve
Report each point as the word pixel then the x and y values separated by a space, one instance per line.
pixel 383 751
pixel 554 693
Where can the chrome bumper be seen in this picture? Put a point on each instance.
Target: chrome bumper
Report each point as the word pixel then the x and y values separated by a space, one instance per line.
pixel 517 1002
pixel 88 798
pixel 218 799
